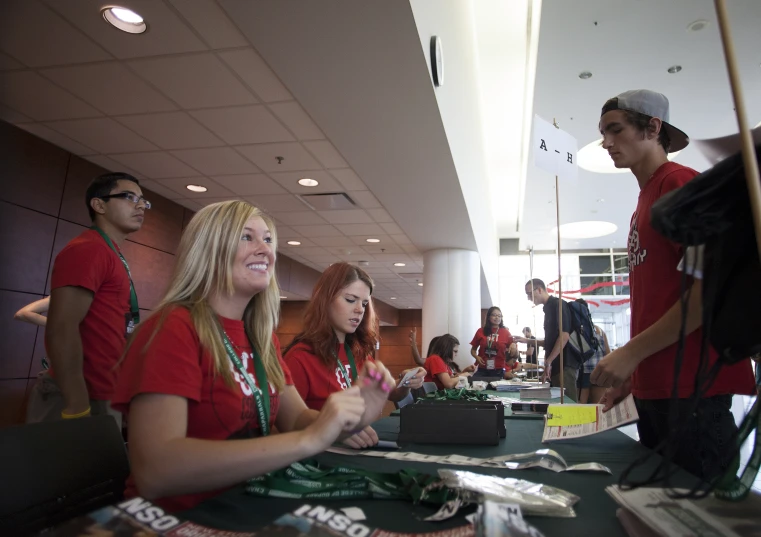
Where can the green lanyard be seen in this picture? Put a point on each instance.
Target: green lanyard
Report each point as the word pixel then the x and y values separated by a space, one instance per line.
pixel 133 307
pixel 730 487
pixel 261 397
pixel 353 365
pixel 308 479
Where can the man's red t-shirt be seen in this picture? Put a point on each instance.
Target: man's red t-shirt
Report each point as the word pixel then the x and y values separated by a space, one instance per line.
pixel 313 379
pixel 176 364
pixel 655 284
pixel 434 365
pixel 88 262
pixel 493 347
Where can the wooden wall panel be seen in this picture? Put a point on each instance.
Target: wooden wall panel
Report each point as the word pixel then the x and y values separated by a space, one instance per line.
pixel 12 397
pixel 151 270
pixel 291 316
pixel 187 216
pixel 65 233
pixel 162 226
pixel 410 318
pixel 16 337
pixel 80 174
pixel 283 272
pixel 32 170
pixel 26 240
pixel 387 314
pixel 302 279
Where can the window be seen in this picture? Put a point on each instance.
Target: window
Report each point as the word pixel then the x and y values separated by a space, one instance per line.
pixel 594 264
pixel 586 281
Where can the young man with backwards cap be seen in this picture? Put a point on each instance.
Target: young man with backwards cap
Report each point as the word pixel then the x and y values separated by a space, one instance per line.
pixel 638 136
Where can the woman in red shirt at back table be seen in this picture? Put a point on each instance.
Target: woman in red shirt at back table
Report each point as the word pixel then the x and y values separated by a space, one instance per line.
pixel 340 331
pixel 202 380
pixel 440 366
pixel 490 345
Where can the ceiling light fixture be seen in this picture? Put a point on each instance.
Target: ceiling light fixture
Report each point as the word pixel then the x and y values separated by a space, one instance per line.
pixel 585 75
pixel 587 229
pixel 306 181
pixel 294 243
pixel 593 158
pixel 392 298
pixel 420 284
pixel 674 69
pixel 283 296
pixel 372 240
pixel 125 20
pixel 696 26
pixel 196 188
pixel 400 264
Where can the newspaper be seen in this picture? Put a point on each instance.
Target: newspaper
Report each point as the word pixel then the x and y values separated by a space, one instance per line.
pixel 621 414
pixel 666 517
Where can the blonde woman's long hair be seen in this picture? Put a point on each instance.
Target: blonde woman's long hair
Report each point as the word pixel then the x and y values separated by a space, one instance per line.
pixel 204 267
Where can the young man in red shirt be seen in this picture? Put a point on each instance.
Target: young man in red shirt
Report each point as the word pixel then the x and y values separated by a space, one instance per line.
pixel 93 306
pixel 637 135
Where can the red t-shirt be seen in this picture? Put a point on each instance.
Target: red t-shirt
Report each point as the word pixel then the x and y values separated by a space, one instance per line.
pixel 88 262
pixel 313 379
pixel 176 364
pixel 654 282
pixel 434 365
pixel 492 348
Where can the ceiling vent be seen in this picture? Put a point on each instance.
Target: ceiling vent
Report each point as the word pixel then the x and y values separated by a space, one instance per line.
pixel 328 201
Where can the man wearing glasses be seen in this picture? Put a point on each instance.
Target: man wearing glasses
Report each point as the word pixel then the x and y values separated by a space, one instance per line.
pixel 93 307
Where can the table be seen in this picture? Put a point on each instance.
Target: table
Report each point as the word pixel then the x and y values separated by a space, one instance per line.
pixel 233 510
pixel 509 397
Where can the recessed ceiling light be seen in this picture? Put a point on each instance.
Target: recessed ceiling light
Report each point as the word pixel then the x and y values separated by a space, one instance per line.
pixel 600 200
pixel 372 240
pixel 584 75
pixel 400 264
pixel 294 243
pixel 674 69
pixel 420 284
pixel 125 20
pixel 593 158
pixel 696 26
pixel 587 229
pixel 196 188
pixel 306 181
pixel 283 296
pixel 392 298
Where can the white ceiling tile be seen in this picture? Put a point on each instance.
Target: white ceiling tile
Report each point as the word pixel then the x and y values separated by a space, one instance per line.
pixel 11 116
pixel 171 130
pixel 167 33
pixel 410 248
pixel 36 36
pixel 295 157
pixel 348 179
pixel 354 257
pixel 351 216
pixel 216 161
pixel 250 184
pixel 103 134
pixel 376 268
pixel 401 239
pixel 380 215
pixel 290 181
pixel 56 138
pixel 179 186
pixel 111 165
pixel 300 218
pixel 365 199
pixel 281 203
pixel 193 205
pixel 40 99
pixel 378 249
pixel 360 229
pixel 7 63
pixel 208 201
pixel 194 81
pixel 252 69
pixel 326 154
pixel 392 229
pixel 244 124
pixel 297 120
pixel 322 258
pixel 333 241
pixel 110 87
pixel 158 188
pixel 317 231
pixel 310 251
pixel 361 240
pixel 155 165
pixel 208 19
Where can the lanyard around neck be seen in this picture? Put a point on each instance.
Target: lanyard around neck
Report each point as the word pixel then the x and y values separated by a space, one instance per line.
pixel 133 307
pixel 352 364
pixel 261 396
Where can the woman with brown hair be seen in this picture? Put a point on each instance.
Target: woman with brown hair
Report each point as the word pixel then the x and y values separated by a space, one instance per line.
pixel 339 337
pixel 440 366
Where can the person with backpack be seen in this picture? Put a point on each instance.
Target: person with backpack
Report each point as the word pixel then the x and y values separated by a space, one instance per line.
pixel 555 340
pixel 589 392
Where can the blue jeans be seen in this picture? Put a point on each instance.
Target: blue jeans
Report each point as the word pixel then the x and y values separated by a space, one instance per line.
pixel 705 444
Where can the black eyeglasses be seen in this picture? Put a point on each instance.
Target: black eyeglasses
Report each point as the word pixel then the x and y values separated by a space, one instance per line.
pixel 134 198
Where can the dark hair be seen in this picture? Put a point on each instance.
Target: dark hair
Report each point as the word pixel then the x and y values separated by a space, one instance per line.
pixel 640 121
pixel 488 324
pixel 444 347
pixel 102 186
pixel 536 282
pixel 431 346
pixel 526 329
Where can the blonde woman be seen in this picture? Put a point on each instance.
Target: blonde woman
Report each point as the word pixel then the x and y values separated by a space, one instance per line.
pixel 190 379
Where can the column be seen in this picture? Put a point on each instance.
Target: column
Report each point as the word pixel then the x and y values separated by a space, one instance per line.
pixel 451 297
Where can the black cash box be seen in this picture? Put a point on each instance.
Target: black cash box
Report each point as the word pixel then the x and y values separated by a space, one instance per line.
pixel 452 422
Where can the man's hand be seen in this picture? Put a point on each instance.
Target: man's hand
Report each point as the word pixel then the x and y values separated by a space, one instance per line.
pixel 520 339
pixel 413 337
pixel 615 369
pixel 613 396
pixel 547 372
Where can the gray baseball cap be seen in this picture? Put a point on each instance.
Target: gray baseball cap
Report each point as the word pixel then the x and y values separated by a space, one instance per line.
pixel 652 104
